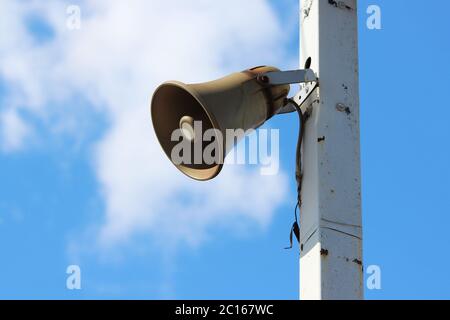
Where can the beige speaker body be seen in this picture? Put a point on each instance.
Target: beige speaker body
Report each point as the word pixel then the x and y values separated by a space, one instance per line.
pixel 238 101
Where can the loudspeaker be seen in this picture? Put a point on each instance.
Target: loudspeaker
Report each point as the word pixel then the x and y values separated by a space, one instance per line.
pixel 242 100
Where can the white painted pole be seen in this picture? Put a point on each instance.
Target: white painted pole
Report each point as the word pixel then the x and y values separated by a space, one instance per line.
pixel 331 228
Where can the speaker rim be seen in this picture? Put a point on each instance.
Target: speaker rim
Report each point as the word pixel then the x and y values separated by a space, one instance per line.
pixel 217 168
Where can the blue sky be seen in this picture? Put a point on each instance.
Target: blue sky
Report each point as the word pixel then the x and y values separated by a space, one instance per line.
pixel 64 201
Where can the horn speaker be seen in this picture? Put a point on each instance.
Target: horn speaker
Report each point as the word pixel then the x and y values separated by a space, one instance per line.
pixel 241 100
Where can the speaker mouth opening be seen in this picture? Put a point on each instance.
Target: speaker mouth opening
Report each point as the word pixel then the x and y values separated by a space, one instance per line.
pixel 185 130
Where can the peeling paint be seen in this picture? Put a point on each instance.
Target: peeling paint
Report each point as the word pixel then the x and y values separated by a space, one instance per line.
pixel 340 4
pixel 358 262
pixel 307 9
pixel 343 108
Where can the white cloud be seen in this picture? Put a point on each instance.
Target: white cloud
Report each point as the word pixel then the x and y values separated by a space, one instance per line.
pixel 13 131
pixel 122 51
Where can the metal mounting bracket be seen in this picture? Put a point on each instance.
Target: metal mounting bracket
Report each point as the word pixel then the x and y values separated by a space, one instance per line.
pixel 306 77
pixel 288 77
pixel 299 98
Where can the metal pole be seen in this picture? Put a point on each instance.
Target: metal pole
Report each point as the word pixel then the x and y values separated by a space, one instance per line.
pixel 331 228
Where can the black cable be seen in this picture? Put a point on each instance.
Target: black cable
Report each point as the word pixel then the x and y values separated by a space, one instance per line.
pixel 298 172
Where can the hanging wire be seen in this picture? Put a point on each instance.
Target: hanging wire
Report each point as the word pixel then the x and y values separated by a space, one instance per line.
pixel 295 229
